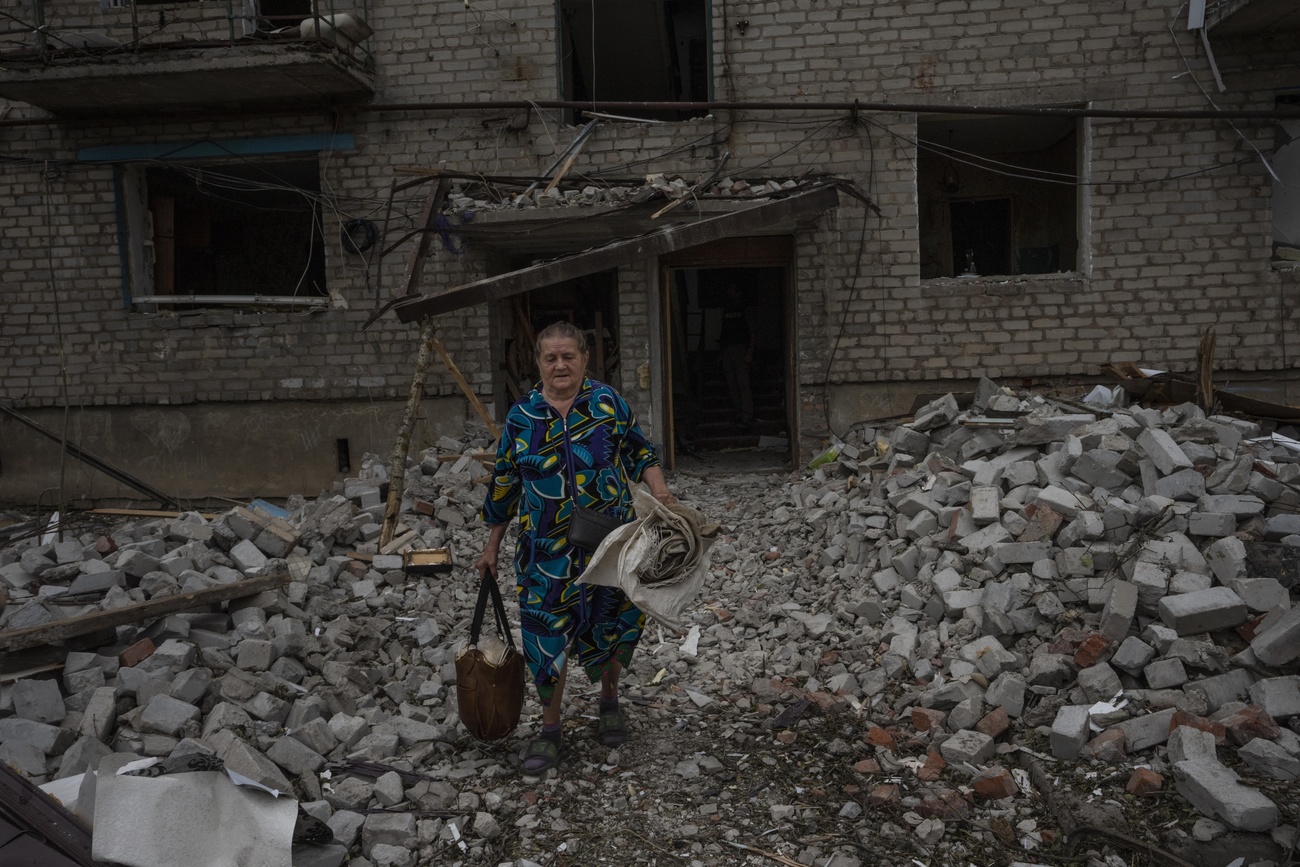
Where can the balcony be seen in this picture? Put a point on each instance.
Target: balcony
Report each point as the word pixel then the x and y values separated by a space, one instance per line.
pixel 1249 18
pixel 86 59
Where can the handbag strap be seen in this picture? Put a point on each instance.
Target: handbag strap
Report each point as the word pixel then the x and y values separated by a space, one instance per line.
pixel 568 462
pixel 488 587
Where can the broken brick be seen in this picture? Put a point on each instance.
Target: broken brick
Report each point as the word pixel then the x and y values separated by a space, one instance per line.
pixel 994 723
pixel 1109 746
pixel 867 766
pixel 932 770
pixel 878 737
pixel 136 653
pixel 1144 782
pixel 886 793
pixel 1043 523
pixel 926 718
pixel 1249 723
pixel 1091 651
pixel 995 784
pixel 947 805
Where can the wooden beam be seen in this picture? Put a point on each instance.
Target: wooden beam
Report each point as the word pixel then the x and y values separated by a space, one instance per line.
pixel 469 392
pixel 428 218
pixel 48 633
pixel 800 204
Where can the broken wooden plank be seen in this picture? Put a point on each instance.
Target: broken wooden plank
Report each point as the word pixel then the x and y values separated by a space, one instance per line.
pixel 150 513
pixel 402 445
pixel 48 633
pixel 469 392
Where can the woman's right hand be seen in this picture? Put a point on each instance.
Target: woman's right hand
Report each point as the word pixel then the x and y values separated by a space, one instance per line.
pixel 487 561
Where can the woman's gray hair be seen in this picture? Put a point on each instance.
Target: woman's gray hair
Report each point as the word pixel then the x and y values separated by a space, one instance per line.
pixel 560 331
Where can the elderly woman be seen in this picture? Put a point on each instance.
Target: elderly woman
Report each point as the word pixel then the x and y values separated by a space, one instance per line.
pixel 571 440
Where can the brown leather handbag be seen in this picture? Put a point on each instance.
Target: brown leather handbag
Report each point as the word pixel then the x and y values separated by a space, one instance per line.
pixel 490 679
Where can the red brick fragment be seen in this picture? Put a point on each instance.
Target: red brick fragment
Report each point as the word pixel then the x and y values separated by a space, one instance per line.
pixel 1183 718
pixel 994 784
pixel 105 545
pixel 1091 651
pixel 926 718
pixel 1247 629
pixel 1043 523
pixel 878 737
pixel 769 556
pixel 787 737
pixel 1249 723
pixel 852 789
pixel 424 507
pixel 1144 782
pixel 136 653
pixel 947 805
pixel 886 793
pixel 867 766
pixel 994 723
pixel 932 770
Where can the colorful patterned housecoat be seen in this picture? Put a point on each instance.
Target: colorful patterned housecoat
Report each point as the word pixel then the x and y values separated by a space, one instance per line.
pixel 560 616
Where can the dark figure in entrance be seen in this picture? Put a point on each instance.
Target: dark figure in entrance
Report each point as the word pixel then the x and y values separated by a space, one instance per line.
pixel 737 344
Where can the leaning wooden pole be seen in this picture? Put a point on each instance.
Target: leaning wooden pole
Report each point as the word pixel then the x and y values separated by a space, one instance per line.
pixel 397 468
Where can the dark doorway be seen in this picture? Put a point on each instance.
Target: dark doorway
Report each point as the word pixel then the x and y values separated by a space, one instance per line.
pixel 708 308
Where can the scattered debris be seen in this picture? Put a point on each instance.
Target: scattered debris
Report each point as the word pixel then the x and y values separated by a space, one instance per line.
pixel 1071 634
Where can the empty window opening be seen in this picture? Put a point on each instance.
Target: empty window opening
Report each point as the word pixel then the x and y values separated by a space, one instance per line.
pixel 997 195
pixel 635 51
pixel 1286 190
pixel 248 229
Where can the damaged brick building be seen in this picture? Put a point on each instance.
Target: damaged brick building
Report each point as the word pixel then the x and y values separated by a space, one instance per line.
pixel 206 203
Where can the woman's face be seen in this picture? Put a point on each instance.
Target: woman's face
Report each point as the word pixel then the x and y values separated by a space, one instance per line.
pixel 561 364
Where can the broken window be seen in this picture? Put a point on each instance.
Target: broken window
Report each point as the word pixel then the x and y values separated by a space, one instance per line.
pixel 228 233
pixel 997 195
pixel 635 51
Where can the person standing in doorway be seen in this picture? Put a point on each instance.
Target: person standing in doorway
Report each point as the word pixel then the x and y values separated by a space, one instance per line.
pixel 736 342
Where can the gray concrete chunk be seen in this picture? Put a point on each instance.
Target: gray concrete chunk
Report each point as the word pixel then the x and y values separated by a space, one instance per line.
pixel 248 557
pixel 1279 641
pixel 1121 607
pixel 166 715
pixel 1203 611
pixel 1278 696
pixel 1217 792
pixel 1269 759
pixel 1160 447
pixel 967 746
pixel 295 756
pixel 39 701
pixel 1069 731
pixel 1148 730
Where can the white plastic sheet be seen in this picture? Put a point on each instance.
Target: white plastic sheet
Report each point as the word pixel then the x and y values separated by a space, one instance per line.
pixel 194 818
pixel 659 560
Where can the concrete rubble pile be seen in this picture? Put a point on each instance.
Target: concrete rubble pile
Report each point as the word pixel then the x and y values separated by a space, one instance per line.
pixel 1119 582
pixel 656 187
pixel 949 604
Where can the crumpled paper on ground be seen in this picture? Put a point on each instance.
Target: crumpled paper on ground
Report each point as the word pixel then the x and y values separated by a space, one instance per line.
pixel 191 818
pixel 659 560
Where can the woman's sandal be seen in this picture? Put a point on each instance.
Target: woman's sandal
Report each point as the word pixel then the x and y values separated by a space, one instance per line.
pixel 611 728
pixel 542 755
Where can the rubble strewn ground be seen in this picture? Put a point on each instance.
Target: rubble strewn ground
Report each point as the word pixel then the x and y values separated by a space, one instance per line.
pixel 1028 632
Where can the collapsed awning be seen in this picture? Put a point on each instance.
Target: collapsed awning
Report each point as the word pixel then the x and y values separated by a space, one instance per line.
pixel 799 204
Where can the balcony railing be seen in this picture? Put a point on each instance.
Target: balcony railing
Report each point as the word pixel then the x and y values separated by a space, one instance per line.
pixel 76 30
